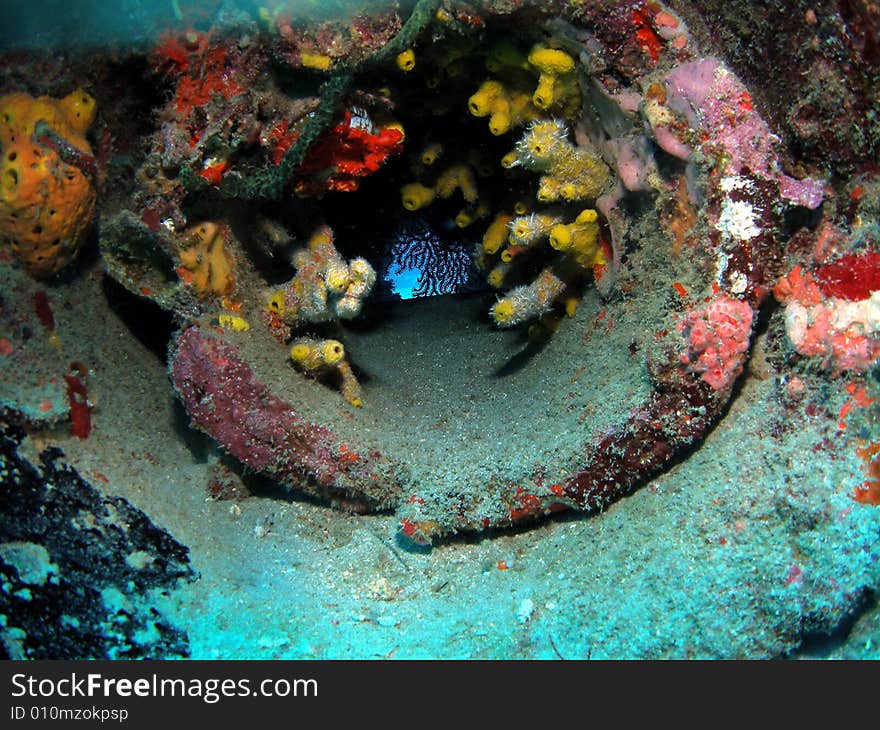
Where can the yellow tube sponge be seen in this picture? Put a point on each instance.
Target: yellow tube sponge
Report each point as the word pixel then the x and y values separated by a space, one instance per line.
pixel 496 234
pixel 457 177
pixel 324 287
pixel 505 109
pixel 483 101
pixel 431 153
pixel 416 196
pixel 571 173
pixel 406 60
pixel 316 357
pixel 525 303
pixel 526 230
pixel 310 354
pixel 580 239
pixel 557 83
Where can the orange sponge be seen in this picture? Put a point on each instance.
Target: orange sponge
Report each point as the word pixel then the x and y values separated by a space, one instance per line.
pixel 47 195
pixel 206 263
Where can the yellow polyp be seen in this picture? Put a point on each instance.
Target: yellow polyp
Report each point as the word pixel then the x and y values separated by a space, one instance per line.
pixel 317 61
pixel 442 16
pixel 521 207
pixel 233 322
pixel 509 160
pixel 571 306
pixel 431 153
pixel 406 60
pixel 416 196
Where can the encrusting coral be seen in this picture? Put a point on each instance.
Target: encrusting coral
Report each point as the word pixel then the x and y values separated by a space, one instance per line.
pixel 47 192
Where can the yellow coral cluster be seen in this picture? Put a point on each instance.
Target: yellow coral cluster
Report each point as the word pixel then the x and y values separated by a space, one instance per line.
pixel 512 99
pixel 46 201
pixel 505 108
pixel 318 357
pixel 206 263
pixel 325 286
pixel 570 173
pixel 557 83
pixel 459 177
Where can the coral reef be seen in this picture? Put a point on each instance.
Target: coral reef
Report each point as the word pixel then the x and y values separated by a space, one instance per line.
pixel 47 194
pixel 642 174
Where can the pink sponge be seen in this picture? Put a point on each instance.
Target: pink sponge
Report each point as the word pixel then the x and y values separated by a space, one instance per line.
pixel 717 340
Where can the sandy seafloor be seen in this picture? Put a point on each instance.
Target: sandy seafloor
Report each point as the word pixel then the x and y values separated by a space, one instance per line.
pixel 749 547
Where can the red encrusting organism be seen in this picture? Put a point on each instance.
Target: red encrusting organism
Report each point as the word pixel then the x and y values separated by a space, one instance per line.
pixel 44 310
pixel 343 155
pixel 853 277
pixel 77 396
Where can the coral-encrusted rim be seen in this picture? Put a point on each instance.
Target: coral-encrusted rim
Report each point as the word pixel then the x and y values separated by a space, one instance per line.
pixel 226 400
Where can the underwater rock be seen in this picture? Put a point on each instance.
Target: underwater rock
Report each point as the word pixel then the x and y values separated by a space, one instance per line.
pixel 79 568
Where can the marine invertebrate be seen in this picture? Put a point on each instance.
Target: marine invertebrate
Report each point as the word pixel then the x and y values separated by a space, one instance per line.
pixel 206 262
pixel 227 400
pixel 47 193
pixel 834 315
pixel 557 82
pixel 345 154
pixel 320 357
pixel 505 108
pixel 325 286
pixel 717 338
pixel 569 172
pixel 443 267
pixel 688 374
pixel 415 196
pixel 524 303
